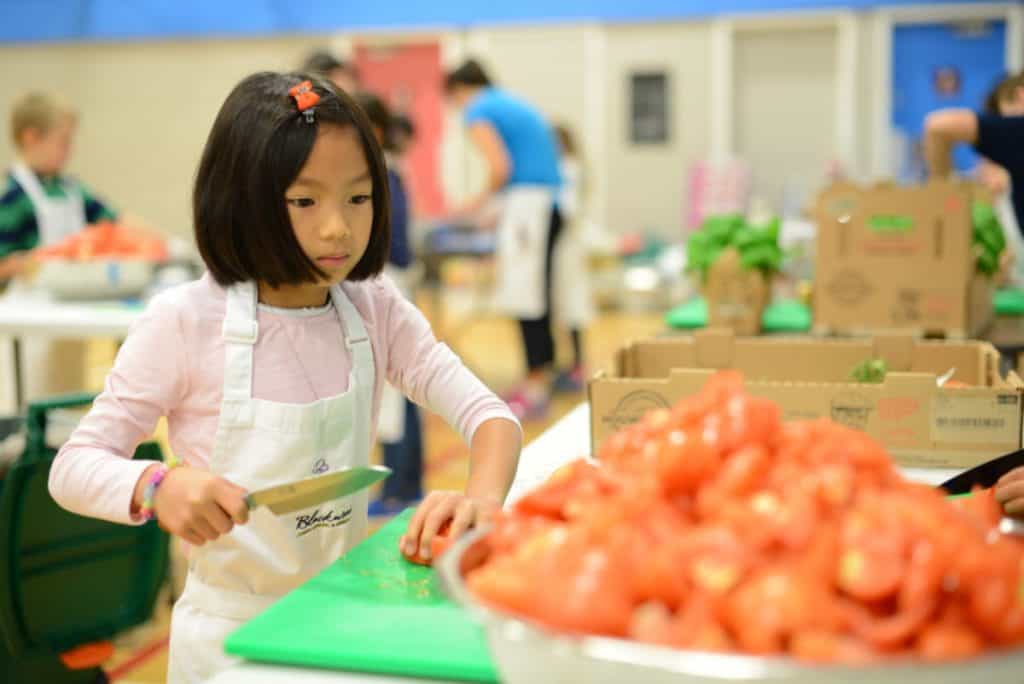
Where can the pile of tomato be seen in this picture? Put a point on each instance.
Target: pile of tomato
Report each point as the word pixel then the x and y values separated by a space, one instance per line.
pixel 106 240
pixel 715 526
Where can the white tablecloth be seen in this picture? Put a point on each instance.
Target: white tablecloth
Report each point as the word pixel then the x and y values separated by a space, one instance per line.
pixel 32 314
pixel 29 314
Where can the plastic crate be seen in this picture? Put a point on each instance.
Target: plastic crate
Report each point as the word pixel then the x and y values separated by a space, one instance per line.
pixel 66 580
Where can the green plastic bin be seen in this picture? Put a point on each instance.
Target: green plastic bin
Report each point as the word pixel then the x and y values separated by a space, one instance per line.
pixel 66 580
pixel 784 316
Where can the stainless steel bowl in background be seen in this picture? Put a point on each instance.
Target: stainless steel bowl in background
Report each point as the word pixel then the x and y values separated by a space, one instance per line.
pixel 527 653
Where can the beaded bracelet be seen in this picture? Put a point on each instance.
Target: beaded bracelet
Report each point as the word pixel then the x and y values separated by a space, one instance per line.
pixel 146 511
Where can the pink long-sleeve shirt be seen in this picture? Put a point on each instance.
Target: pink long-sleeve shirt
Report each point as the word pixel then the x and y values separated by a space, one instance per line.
pixel 172 365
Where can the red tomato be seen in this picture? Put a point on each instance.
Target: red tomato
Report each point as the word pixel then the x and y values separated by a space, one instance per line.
pixel 684 460
pixel 582 480
pixel 697 627
pixel 740 474
pixel 925 575
pixel 771 606
pixel 981 508
pixel 713 526
pixel 652 624
pixel 504 582
pixel 582 588
pixel 945 642
pixel 888 632
pixel 510 531
pixel 830 647
pixel 440 542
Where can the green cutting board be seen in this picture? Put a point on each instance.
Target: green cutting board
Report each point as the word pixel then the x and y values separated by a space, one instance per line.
pixel 371 611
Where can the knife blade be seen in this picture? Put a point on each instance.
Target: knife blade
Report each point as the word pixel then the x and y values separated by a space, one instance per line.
pixel 310 491
pixel 985 475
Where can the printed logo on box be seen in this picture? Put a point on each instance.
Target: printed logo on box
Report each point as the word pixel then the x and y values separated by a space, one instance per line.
pixel 849 287
pixel 632 407
pixel 852 410
pixel 897 408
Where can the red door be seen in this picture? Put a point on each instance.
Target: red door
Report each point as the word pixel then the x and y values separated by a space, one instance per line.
pixel 408 78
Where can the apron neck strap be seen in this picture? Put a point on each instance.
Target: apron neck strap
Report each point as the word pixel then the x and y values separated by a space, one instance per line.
pixel 356 337
pixel 239 331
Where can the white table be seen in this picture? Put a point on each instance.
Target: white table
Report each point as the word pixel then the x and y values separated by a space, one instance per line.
pixel 24 316
pixel 565 441
pixel 253 673
pixel 34 314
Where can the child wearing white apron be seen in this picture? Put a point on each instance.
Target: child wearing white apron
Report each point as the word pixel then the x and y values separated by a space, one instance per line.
pixel 271 369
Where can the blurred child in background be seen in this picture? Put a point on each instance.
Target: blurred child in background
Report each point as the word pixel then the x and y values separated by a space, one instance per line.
pixel 399 430
pixel 340 72
pixel 40 205
pixel 572 297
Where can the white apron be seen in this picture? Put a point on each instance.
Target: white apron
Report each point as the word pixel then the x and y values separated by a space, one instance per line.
pixel 52 366
pixel 391 415
pixel 57 218
pixel 261 443
pixel 571 295
pixel 521 250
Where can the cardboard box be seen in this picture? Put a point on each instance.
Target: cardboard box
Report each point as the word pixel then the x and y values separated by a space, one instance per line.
pixel 899 259
pixel 920 424
pixel 736 296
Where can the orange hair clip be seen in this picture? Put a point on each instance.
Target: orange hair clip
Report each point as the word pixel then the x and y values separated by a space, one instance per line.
pixel 304 98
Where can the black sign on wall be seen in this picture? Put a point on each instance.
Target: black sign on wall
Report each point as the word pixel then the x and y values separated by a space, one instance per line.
pixel 649 110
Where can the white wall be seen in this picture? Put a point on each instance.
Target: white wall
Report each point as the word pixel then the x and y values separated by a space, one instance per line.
pixel 785 109
pixel 146 109
pixel 646 184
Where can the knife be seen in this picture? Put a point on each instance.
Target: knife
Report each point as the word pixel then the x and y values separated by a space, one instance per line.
pixel 310 491
pixel 985 475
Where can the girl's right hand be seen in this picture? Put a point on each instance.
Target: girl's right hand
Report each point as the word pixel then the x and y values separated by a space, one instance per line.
pixel 198 506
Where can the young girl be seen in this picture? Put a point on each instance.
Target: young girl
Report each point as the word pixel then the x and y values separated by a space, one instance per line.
pixel 270 369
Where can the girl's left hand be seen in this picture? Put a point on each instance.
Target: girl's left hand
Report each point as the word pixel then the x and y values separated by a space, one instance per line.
pixel 439 507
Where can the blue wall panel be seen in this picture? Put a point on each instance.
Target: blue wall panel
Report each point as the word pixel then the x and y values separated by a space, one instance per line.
pixel 67 20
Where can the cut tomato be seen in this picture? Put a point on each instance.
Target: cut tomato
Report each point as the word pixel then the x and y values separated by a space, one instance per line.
pixel 771 606
pixel 831 648
pixel 869 575
pixel 580 480
pixel 684 461
pixel 714 526
pixel 945 642
pixel 888 631
pixel 438 544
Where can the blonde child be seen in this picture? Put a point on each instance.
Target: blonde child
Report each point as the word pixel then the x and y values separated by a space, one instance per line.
pixel 40 205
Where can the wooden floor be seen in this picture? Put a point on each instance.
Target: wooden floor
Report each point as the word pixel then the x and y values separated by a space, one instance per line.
pixel 489 346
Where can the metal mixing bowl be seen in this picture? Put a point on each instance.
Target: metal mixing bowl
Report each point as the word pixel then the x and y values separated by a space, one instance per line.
pixel 528 653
